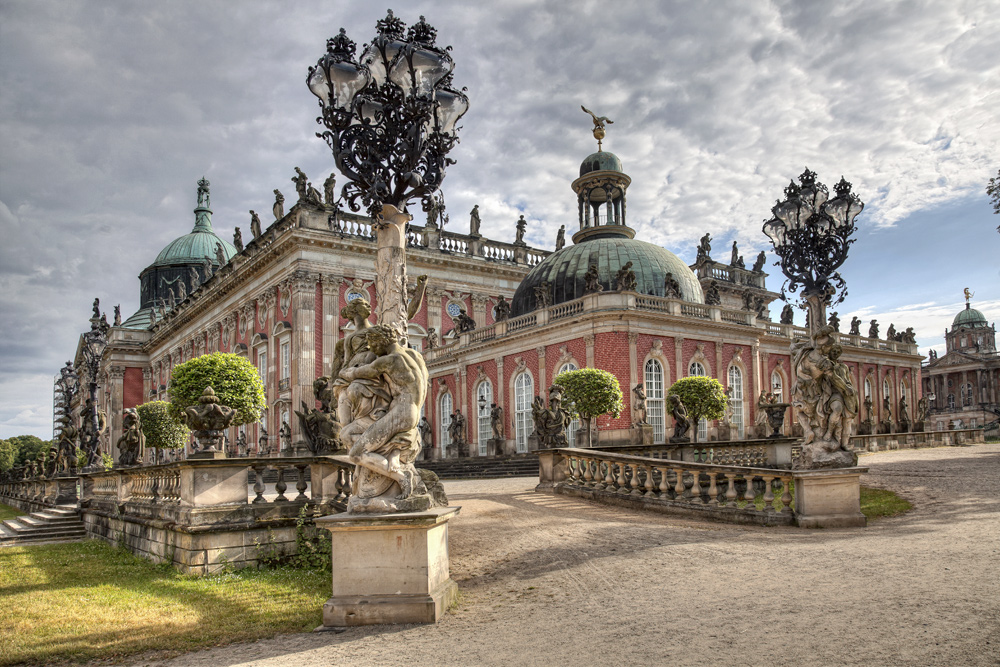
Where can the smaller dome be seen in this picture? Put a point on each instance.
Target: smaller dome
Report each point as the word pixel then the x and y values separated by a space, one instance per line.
pixel 970 318
pixel 600 161
pixel 193 248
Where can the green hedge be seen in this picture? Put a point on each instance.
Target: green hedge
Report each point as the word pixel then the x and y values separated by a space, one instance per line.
pixel 234 379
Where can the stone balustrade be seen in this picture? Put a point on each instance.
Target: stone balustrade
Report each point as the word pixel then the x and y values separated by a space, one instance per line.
pixel 763 452
pixel 916 439
pixel 734 494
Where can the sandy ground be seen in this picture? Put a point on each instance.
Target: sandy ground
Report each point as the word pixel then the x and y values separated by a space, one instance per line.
pixel 549 580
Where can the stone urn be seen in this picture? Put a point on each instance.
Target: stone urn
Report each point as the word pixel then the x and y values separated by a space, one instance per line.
pixel 776 417
pixel 208 420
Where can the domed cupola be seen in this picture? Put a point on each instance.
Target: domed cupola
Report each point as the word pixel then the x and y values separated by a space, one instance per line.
pixel 603 240
pixel 182 264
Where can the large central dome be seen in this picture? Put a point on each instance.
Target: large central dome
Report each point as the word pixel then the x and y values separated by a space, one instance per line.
pixel 564 271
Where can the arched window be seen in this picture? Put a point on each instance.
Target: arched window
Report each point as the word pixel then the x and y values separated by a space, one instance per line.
pixel 697 370
pixel 654 400
pixel 886 393
pixel 484 396
pixel 736 398
pixel 524 391
pixel 778 386
pixel 444 421
pixel 575 424
pixel 868 387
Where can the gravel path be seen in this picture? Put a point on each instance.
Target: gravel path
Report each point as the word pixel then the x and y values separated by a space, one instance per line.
pixel 549 580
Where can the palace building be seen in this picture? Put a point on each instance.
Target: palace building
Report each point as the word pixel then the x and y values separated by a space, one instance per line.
pixel 278 302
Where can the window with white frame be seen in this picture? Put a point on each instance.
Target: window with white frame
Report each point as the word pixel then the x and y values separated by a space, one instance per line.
pixel 778 386
pixel 484 396
pixel 574 425
pixel 868 388
pixel 286 359
pixel 951 401
pixel 736 398
pixel 524 391
pixel 262 364
pixel 886 393
pixel 697 370
pixel 655 414
pixel 444 420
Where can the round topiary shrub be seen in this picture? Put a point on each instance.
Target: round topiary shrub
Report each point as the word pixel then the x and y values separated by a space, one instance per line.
pixel 234 379
pixel 160 428
pixel 703 397
pixel 590 393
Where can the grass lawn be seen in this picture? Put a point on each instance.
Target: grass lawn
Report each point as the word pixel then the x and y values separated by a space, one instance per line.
pixel 877 503
pixel 8 512
pixel 89 600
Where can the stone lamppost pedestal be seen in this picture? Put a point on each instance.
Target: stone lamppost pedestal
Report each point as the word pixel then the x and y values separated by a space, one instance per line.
pixel 389 568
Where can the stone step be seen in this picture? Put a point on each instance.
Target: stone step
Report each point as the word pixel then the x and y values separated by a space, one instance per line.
pixel 52 524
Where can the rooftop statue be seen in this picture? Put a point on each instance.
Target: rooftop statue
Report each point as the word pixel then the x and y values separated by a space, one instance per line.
pixel 502 309
pixel 206 269
pixel 758 265
pixel 238 240
pixel 474 221
pixel 97 308
pixel 118 315
pixel 855 326
pixel 464 323
pixel 182 292
pixel 760 307
pixel 712 296
pixel 599 123
pixel 908 336
pixel 704 248
pixel 592 280
pixel 204 198
pixel 330 189
pixel 890 333
pixel 748 299
pixel 193 278
pixel 787 314
pixel 873 329
pixel 671 288
pixel 279 205
pixel 625 278
pixel 522 226
pixel 561 238
pixel 834 321
pixel 301 182
pixel 543 294
pixel 313 196
pixel 254 224
pixel 220 255
pixel 734 257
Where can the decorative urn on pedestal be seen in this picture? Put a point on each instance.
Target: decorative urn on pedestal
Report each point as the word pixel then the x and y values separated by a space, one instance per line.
pixel 208 420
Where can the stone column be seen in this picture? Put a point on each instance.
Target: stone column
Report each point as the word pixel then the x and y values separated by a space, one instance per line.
pixel 480 305
pixel 147 383
pixel 462 397
pixel 434 297
pixel 680 371
pixel 758 383
pixel 303 310
pixel 331 317
pixel 633 372
pixel 542 384
pixel 589 341
pixel 116 395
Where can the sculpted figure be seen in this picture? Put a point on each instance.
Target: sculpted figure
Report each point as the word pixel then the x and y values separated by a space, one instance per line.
pixel 908 336
pixel 68 434
pixel 704 248
pixel 765 399
pixel 263 449
pixel 502 309
pixel 592 280
pixel 118 315
pixel 456 430
pixel 97 307
pixel 474 221
pixel 550 423
pixel 671 288
pixel 625 278
pixel 463 323
pixel 241 444
pixel 329 189
pixel 220 255
pixel 734 256
pixel 181 291
pixel 639 392
pixel 855 326
pixel 890 333
pixel 238 240
pixel 279 205
pixel 254 224
pixel 432 338
pixel 522 227
pixel 206 268
pixel 712 296
pixel 321 429
pixel 89 439
pixel 285 436
pixel 834 321
pixel 599 121
pixel 417 299
pixel 748 299
pixel 426 434
pixel 681 422
pixel 825 399
pixel 130 449
pixel 301 182
pixel 193 279
pixel 787 314
pixel 932 355
pixel 543 294
pixel 496 421
pixel 561 238
pixel 313 196
pixel 760 307
pixel 904 413
pixel 923 407
pixel 758 265
pixel 873 329
pixel 357 397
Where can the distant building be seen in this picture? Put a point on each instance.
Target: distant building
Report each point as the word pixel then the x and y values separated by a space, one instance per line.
pixel 963 385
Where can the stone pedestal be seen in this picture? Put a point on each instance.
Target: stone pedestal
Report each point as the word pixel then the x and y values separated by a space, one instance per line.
pixel 641 434
pixel 389 568
pixel 509 447
pixel 533 443
pixel 829 498
pixel 494 447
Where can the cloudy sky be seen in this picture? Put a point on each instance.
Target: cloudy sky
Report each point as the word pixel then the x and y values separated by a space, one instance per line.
pixel 111 111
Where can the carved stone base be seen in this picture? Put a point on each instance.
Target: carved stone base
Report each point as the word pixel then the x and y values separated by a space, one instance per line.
pixel 533 445
pixel 415 499
pixel 641 434
pixel 207 455
pixel 680 439
pixel 817 457
pixel 390 568
pixel 494 447
pixel 829 499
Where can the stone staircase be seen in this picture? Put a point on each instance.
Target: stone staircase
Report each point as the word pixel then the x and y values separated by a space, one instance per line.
pixel 525 465
pixel 57 524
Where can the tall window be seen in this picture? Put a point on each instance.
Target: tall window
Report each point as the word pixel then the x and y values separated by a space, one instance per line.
pixel 951 401
pixel 484 392
pixel 575 424
pixel 524 391
pixel 444 420
pixel 868 388
pixel 654 400
pixel 697 370
pixel 736 398
pixel 262 364
pixel 887 393
pixel 286 360
pixel 777 386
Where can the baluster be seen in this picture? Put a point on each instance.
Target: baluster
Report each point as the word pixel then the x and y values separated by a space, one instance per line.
pixel 679 485
pixel 748 495
pixel 300 484
pixel 649 481
pixel 786 495
pixel 730 490
pixel 348 487
pixel 663 482
pixel 258 483
pixel 280 485
pixel 588 474
pixel 620 482
pixel 713 490
pixel 609 479
pixel 768 494
pixel 696 486
pixel 635 480
pixel 154 491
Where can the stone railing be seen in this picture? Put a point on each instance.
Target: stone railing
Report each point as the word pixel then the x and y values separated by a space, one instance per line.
pixel 735 494
pixel 761 453
pixel 916 439
pixel 731 274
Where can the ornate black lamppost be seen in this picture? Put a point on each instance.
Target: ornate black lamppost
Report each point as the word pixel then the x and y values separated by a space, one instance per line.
pixel 94 343
pixel 811 235
pixel 391 120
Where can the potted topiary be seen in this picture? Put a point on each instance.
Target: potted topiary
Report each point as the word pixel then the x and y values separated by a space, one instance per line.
pixel 590 393
pixel 702 398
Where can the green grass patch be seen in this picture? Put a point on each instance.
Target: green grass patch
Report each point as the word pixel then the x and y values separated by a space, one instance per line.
pixel 8 512
pixel 877 503
pixel 89 600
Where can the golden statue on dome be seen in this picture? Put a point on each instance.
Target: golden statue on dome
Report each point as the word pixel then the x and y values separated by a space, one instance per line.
pixel 599 122
pixel 968 295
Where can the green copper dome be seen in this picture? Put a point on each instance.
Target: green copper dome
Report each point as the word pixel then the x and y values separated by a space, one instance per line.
pixel 565 269
pixel 970 318
pixel 193 248
pixel 600 161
